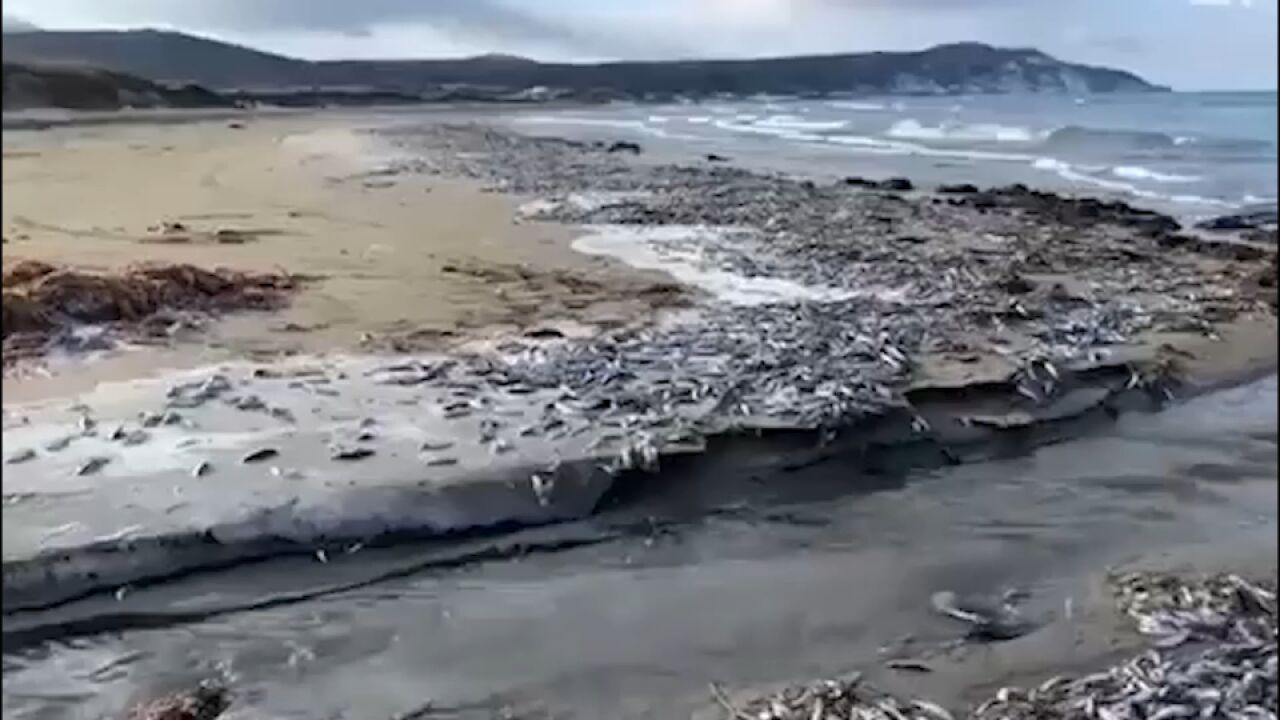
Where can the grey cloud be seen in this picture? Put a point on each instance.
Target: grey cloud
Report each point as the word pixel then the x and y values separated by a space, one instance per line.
pixel 1122 44
pixel 482 20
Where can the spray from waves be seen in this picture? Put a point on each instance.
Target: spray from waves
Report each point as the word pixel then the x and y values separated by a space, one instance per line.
pixel 911 129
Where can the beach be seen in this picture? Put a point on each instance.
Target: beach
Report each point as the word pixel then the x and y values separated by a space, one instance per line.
pixel 491 331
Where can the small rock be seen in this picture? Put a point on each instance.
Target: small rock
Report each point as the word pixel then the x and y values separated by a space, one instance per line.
pixel 623 146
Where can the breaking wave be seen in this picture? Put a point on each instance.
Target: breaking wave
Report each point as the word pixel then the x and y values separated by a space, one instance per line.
pixel 1130 172
pixel 1074 137
pixel 911 129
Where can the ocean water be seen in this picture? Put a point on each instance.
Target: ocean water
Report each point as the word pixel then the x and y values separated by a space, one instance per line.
pixel 1188 153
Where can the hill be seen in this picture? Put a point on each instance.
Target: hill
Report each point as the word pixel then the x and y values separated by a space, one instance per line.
pixel 28 86
pixel 945 69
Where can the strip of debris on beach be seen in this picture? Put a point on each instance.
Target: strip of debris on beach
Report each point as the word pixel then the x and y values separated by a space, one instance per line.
pixel 820 307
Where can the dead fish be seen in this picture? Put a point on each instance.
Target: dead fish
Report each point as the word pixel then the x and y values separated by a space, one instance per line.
pixel 137 437
pixel 92 465
pixel 435 445
pixel 249 403
pixel 20 456
pixel 932 709
pixel 542 487
pixel 259 455
pixel 1028 393
pixel 345 453
pixel 60 444
pixel 908 664
pixel 201 469
pixel 442 461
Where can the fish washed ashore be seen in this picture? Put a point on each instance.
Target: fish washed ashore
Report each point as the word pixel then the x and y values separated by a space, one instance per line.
pixel 870 326
pixel 1212 655
pixel 871 322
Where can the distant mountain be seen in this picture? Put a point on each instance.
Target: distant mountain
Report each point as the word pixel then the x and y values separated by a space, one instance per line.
pixel 162 56
pixel 11 24
pixel 945 69
pixel 28 86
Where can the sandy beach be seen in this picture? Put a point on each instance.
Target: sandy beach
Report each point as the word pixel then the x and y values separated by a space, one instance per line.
pixel 493 331
pixel 406 263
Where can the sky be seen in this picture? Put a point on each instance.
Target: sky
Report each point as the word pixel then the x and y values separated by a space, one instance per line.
pixel 1189 44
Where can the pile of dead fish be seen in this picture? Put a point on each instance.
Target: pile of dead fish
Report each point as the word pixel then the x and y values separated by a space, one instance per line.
pixel 937 267
pixel 808 365
pixel 1213 655
pixel 829 700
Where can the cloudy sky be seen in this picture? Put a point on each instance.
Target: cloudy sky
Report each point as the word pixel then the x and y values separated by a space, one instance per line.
pixel 1190 44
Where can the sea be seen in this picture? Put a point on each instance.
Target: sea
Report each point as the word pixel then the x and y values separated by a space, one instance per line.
pixel 1190 154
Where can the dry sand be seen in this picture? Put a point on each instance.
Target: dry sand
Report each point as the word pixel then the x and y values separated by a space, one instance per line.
pixel 407 263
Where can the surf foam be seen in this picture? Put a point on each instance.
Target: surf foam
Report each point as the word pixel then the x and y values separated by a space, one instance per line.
pixel 673 249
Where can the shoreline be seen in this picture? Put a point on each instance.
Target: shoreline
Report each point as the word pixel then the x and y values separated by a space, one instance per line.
pixel 496 498
pixel 955 411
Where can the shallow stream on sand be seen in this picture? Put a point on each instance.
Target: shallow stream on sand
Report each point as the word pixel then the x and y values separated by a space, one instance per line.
pixel 743 581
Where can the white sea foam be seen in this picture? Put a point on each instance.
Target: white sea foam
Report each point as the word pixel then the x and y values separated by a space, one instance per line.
pixel 781 132
pixel 1133 172
pixel 1076 174
pixel 698 120
pixel 911 129
pixel 798 123
pixel 857 106
pixel 673 249
pixel 637 125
